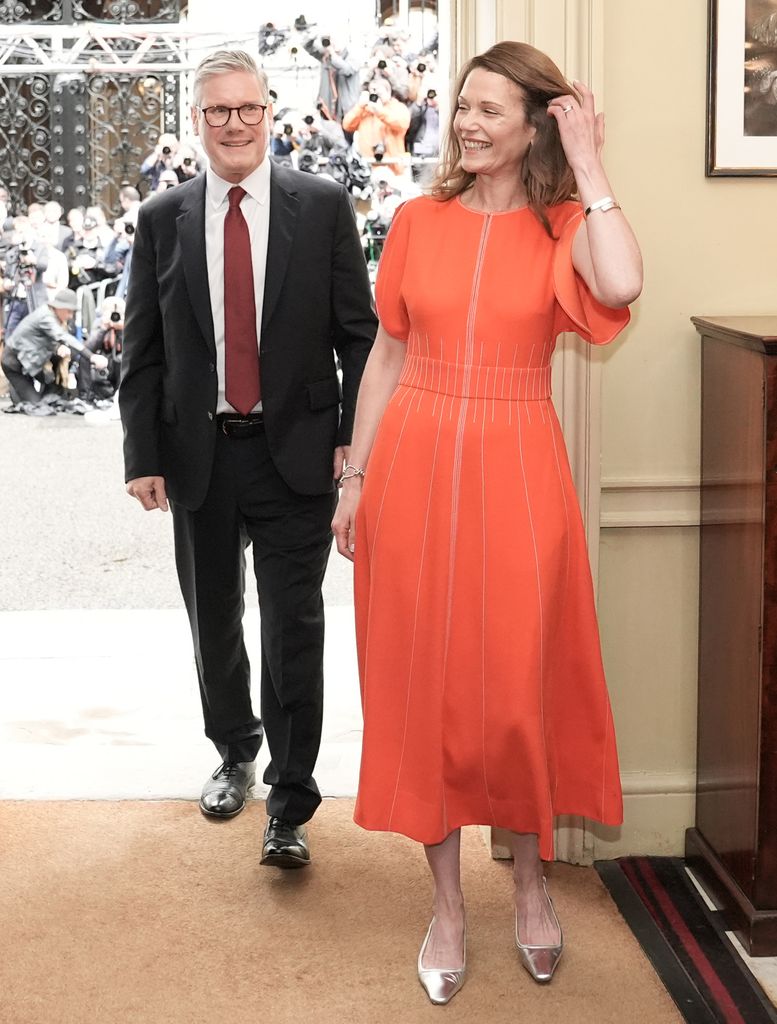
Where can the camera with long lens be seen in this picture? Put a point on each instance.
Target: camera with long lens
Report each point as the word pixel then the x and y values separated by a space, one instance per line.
pixel 377 225
pixel 166 151
pixel 326 41
pixel 129 229
pixel 421 68
pixel 373 97
pixel 271 38
pixel 382 65
pixel 187 161
pixel 115 317
pixel 25 263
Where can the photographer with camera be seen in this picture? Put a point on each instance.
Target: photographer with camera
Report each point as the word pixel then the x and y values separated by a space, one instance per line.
pixel 160 159
pixel 186 162
pixel 394 69
pixel 86 256
pixel 381 120
pixel 338 89
pixel 23 286
pixel 423 135
pixel 39 338
pixel 100 383
pixel 284 141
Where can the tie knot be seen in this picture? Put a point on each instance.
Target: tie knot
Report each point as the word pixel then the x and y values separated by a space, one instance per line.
pixel 234 196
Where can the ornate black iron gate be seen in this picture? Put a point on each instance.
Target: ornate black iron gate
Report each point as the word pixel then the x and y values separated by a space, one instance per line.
pixel 86 89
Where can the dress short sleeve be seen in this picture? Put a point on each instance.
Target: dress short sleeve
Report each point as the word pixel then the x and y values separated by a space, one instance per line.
pixel 578 310
pixel 392 310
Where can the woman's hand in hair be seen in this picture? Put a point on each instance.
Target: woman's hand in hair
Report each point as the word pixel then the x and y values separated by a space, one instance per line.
pixel 580 128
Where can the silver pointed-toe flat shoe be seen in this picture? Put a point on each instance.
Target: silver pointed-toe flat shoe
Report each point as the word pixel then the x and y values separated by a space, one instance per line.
pixel 541 961
pixel 224 793
pixel 441 985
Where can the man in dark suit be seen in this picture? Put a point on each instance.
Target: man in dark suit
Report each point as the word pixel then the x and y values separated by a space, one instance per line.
pixel 245 281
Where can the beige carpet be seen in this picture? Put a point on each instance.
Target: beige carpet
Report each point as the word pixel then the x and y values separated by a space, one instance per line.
pixel 146 913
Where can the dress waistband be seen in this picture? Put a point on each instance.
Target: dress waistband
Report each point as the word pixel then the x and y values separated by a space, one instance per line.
pixel 511 383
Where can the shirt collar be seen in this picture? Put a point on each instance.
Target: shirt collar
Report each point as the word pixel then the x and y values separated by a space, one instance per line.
pixel 257 184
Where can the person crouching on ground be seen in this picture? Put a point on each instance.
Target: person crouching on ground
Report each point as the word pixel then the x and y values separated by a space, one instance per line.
pixel 40 336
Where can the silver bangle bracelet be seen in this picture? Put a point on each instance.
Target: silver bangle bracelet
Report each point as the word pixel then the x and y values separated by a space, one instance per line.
pixel 604 204
pixel 349 472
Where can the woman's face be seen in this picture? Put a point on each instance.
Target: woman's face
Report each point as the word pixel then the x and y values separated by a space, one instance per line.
pixel 490 124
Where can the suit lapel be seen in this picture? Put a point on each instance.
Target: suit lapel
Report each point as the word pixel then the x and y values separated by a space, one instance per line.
pixel 191 236
pixel 284 208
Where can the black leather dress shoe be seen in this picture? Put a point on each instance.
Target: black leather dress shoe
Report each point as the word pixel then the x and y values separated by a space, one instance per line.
pixel 224 794
pixel 285 845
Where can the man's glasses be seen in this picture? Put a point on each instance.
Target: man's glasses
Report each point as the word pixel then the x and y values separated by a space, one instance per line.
pixel 249 113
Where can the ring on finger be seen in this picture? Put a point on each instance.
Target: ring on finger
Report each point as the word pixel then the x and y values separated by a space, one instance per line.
pixel 565 110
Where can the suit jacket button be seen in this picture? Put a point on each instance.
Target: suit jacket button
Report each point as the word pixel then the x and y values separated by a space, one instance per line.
pixel 210 415
pixel 212 367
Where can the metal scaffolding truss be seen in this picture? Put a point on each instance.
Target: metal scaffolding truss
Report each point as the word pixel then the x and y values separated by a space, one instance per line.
pixel 97 49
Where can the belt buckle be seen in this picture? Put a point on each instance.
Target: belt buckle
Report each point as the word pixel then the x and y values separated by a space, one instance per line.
pixel 227 423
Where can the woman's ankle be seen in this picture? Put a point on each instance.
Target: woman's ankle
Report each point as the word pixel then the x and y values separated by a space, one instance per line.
pixel 448 905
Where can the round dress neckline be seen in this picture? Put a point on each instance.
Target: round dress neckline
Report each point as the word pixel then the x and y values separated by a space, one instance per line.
pixel 495 213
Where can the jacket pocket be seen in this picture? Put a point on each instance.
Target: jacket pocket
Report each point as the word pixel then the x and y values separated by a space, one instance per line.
pixel 324 393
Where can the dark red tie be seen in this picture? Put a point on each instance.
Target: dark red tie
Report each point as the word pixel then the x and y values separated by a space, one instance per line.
pixel 241 354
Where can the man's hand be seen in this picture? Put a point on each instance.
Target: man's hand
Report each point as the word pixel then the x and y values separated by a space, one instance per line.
pixel 150 492
pixel 63 351
pixel 341 457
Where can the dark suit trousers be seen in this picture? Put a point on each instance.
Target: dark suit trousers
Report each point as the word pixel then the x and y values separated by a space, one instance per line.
pixel 248 502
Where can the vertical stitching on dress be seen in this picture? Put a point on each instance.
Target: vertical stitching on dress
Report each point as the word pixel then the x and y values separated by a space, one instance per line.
pixel 458 451
pixel 415 623
pixel 539 595
pixel 566 542
pixel 483 619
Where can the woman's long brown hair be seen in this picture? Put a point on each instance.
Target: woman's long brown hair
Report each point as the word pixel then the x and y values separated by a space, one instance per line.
pixel 545 173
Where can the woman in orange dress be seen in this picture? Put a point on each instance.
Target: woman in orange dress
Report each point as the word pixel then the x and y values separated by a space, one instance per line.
pixel 482 685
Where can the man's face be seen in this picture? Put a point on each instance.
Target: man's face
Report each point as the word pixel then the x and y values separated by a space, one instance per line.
pixel 63 315
pixel 237 149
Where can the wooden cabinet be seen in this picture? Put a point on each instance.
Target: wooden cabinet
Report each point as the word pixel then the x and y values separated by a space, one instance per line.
pixel 734 844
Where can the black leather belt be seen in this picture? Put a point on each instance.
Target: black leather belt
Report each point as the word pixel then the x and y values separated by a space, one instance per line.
pixel 234 425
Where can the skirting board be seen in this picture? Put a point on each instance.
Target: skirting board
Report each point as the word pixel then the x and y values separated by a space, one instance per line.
pixel 658 807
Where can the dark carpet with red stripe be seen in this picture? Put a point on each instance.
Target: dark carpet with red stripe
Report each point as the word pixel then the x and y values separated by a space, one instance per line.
pixel 685 941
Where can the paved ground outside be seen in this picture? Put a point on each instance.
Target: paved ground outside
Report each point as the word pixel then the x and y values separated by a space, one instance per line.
pixel 98 695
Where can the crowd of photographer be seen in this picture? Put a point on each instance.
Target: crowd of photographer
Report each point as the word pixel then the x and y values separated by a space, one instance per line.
pixel 373 126
pixel 385 103
pixel 62 283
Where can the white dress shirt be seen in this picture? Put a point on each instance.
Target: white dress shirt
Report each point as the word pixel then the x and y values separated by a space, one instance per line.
pixel 255 207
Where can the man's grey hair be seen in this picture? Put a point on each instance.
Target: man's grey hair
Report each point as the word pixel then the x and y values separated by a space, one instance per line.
pixel 222 62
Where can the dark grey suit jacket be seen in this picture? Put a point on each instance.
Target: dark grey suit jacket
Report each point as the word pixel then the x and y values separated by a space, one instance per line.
pixel 317 300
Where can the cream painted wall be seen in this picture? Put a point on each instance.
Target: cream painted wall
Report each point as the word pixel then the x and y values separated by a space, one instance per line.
pixel 702 240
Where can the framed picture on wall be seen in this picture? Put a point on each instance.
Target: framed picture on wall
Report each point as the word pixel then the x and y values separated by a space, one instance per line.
pixel 742 88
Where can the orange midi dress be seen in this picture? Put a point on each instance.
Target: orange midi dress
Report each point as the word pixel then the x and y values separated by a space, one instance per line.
pixel 483 692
